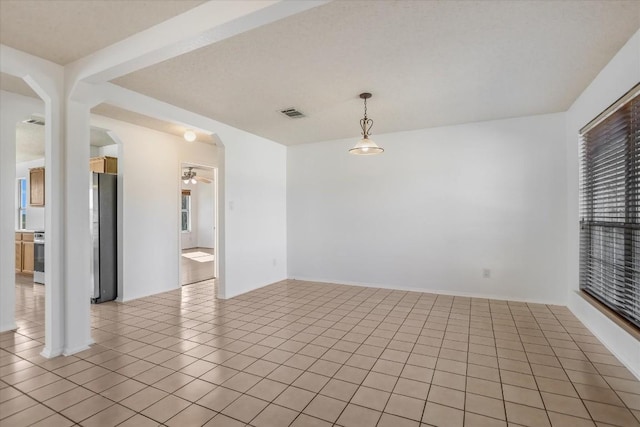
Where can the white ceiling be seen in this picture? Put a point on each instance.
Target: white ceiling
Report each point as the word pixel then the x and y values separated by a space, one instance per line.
pixel 63 31
pixel 14 84
pixel 121 114
pixel 30 141
pixel 427 63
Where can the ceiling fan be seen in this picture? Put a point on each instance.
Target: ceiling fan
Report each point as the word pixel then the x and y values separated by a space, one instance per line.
pixel 189 176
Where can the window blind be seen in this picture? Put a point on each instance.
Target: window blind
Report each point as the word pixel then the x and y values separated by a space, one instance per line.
pixel 610 207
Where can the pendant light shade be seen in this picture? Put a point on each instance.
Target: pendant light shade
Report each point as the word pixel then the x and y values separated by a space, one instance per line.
pixel 366 146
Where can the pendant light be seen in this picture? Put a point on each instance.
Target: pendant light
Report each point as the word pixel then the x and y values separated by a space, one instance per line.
pixel 366 146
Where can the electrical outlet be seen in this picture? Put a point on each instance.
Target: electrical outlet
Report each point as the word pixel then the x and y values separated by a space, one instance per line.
pixel 486 273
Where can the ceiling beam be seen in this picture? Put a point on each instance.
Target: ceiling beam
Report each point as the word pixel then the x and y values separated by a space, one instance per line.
pixel 201 26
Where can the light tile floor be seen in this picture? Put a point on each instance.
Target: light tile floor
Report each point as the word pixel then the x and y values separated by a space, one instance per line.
pixel 308 354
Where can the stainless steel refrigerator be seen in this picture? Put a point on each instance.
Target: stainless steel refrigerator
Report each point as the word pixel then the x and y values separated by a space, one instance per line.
pixel 104 233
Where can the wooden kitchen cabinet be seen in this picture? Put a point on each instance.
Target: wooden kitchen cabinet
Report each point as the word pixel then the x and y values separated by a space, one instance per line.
pixel 27 257
pixel 36 187
pixel 24 252
pixel 104 164
pixel 18 257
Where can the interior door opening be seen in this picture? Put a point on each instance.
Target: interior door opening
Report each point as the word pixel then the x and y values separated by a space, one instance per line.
pixel 198 223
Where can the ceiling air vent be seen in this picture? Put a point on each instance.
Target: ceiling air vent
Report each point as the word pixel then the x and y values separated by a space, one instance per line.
pixel 34 121
pixel 292 113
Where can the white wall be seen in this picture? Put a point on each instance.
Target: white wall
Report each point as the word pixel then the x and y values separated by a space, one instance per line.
pixel 205 215
pixel 35 214
pixel 620 75
pixel 255 185
pixel 13 108
pixel 438 207
pixel 149 169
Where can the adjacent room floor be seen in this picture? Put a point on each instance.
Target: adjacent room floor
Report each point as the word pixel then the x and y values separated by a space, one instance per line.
pixel 310 354
pixel 196 265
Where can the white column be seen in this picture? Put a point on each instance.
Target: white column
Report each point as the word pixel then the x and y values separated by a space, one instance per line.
pixel 54 215
pixel 7 220
pixel 77 232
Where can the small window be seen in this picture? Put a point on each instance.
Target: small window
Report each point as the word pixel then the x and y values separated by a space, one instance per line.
pixel 22 203
pixel 186 211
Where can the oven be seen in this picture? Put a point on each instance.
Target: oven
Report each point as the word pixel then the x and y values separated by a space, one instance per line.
pixel 38 257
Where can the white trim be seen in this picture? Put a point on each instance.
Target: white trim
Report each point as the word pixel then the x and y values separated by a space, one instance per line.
pixel 69 352
pixel 50 354
pixel 611 339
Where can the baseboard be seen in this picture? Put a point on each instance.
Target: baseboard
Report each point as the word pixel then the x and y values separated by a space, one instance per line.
pixel 632 366
pixel 432 291
pixel 50 354
pixel 70 351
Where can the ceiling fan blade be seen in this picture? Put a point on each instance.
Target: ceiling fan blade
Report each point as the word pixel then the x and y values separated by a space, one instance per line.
pixel 203 180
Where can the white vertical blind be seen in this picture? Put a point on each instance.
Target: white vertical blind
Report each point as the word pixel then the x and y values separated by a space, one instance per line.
pixel 610 207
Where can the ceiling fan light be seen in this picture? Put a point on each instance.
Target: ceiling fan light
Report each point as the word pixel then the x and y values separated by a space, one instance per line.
pixel 366 147
pixel 186 181
pixel 189 135
pixel 193 181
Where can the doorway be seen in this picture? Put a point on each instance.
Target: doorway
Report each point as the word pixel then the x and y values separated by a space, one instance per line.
pixel 198 223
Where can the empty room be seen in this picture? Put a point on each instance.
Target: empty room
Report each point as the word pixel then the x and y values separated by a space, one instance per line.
pixel 320 213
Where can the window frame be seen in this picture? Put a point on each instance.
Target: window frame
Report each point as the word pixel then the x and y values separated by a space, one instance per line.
pixel 187 210
pixel 610 209
pixel 22 203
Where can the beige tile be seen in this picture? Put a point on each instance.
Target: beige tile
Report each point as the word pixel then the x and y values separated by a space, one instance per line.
pixel 522 395
pixel 245 408
pixel 380 381
pixel 476 420
pixel 442 416
pixel 122 390
pixel 408 407
pixel 325 408
pixel 484 387
pixel 111 416
pixel 310 381
pixel 67 399
pixel 294 398
pixel 139 421
pixel 526 415
pixel 483 405
pixel 411 388
pixel 356 416
pixel 274 416
pixel 564 420
pixel 565 405
pixel 448 379
pixel 267 389
pixel 86 408
pixel 55 420
pixel 143 399
pixel 371 398
pixel 304 420
pixel 193 415
pixel 338 389
pixel 388 420
pixel 598 394
pixel 446 396
pixel 165 408
pixel 27 417
pixel 218 399
pixel 611 414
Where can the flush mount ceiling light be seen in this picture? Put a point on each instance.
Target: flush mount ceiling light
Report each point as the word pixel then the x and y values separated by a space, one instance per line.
pixel 366 146
pixel 189 135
